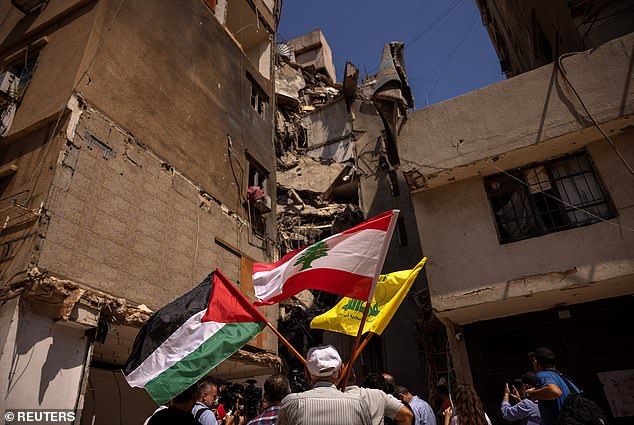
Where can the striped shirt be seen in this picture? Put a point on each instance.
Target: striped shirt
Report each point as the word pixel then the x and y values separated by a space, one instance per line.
pixel 380 404
pixel 324 405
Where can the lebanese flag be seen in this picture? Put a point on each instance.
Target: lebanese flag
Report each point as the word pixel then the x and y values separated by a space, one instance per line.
pixel 348 264
pixel 188 337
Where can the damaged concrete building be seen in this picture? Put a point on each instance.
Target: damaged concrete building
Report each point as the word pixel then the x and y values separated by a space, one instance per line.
pixel 127 174
pixel 524 204
pixel 337 164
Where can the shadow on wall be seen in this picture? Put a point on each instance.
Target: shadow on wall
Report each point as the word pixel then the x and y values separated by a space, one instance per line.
pixel 45 353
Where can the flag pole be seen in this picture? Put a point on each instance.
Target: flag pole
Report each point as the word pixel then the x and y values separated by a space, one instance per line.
pixel 288 344
pixel 355 355
pixel 356 346
pixel 377 272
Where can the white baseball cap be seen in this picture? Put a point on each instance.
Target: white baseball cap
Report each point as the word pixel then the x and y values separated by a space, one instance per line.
pixel 323 360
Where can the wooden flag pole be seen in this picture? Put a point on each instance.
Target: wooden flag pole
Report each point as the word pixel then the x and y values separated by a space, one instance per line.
pixel 354 356
pixel 356 344
pixel 288 344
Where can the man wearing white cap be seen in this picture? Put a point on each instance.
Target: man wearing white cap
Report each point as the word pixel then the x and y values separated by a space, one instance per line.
pixel 324 404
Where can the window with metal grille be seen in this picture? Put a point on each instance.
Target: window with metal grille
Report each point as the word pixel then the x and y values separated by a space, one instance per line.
pixel 543 198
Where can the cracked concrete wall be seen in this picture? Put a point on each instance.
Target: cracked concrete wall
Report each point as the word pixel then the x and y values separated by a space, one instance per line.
pixel 126 223
pixel 474 277
pixel 35 156
pixel 170 74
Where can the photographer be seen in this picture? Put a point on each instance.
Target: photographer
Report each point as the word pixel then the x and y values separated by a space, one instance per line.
pixel 235 416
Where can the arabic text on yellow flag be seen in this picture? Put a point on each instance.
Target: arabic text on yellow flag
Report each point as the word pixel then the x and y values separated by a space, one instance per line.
pixel 391 290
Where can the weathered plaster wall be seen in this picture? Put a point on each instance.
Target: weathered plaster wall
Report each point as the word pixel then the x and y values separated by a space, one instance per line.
pixel 125 222
pixel 469 268
pixel 516 27
pixel 35 155
pixel 532 33
pixel 449 140
pixel 66 26
pixel 42 361
pixel 171 75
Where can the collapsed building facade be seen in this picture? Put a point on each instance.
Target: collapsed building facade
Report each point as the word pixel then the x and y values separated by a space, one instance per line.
pixel 127 176
pixel 337 164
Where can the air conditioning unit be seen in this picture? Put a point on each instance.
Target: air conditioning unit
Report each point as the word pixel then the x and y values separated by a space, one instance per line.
pixel 9 83
pixel 28 6
pixel 264 205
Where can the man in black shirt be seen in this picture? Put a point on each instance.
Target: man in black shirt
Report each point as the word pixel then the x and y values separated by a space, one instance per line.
pixel 179 411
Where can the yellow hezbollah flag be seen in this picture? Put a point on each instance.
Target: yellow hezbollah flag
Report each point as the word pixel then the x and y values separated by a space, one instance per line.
pixel 390 291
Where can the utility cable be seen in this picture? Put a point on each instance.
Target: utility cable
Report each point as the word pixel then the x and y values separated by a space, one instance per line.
pixel 461 38
pixel 561 68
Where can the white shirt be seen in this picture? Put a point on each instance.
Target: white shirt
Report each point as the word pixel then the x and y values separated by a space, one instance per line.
pixel 380 404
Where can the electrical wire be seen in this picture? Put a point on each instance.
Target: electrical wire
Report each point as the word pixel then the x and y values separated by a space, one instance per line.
pixel 535 189
pixel 435 22
pixel 561 68
pixel 428 28
pixel 461 38
pixel 381 30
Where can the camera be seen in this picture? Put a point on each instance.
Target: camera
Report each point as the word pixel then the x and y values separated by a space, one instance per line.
pixel 298 381
pixel 252 398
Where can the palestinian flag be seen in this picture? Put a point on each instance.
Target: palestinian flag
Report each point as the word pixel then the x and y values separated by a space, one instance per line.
pixel 188 337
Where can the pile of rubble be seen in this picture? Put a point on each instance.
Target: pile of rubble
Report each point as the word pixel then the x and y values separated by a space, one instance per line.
pixel 307 176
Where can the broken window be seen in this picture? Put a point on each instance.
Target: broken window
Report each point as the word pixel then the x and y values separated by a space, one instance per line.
pixel 259 202
pixel 259 99
pixel 556 195
pixel 14 80
pixel 23 67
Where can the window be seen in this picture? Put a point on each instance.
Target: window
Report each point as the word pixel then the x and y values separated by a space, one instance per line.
pixel 556 195
pixel 16 76
pixel 23 67
pixel 259 99
pixel 259 202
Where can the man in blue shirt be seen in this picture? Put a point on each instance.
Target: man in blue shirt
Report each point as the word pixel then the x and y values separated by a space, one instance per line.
pixel 526 410
pixel 552 390
pixel 423 413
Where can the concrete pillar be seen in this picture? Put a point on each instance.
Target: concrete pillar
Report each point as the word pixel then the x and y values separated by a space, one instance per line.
pixel 42 363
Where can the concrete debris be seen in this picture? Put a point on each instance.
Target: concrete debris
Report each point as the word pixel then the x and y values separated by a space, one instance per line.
pixel 309 175
pixel 46 288
pixel 257 358
pixel 392 96
pixel 288 83
pixel 318 172
pixel 69 303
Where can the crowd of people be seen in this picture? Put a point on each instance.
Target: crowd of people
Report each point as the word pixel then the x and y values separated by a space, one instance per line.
pixel 536 399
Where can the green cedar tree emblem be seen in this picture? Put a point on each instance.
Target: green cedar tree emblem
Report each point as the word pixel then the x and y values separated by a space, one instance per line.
pixel 313 252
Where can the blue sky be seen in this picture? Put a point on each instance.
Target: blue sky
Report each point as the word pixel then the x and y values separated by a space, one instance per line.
pixel 447 49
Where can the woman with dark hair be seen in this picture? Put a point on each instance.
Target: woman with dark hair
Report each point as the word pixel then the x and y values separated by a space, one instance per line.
pixel 469 409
